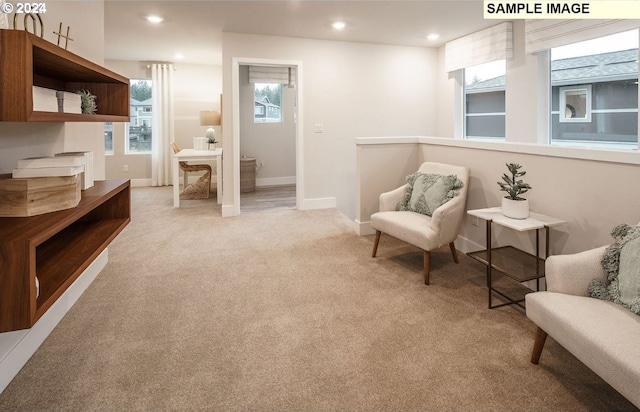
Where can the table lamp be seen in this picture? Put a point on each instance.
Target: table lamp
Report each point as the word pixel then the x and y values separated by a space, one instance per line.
pixel 210 119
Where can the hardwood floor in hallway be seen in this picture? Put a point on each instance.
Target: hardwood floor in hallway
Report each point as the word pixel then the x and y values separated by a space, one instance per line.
pixel 267 198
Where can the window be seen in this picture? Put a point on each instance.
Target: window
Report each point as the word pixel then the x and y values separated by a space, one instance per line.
pixel 576 101
pixel 267 103
pixel 138 138
pixel 594 92
pixel 484 101
pixel 108 138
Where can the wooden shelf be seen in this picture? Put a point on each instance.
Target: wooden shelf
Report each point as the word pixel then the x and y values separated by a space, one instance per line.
pixel 27 60
pixel 56 247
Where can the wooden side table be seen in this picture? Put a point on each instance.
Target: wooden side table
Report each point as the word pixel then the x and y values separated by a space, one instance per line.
pixel 509 260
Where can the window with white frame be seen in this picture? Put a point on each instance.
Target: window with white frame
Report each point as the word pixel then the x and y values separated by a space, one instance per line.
pixel 138 139
pixel 267 98
pixel 594 92
pixel 108 138
pixel 484 101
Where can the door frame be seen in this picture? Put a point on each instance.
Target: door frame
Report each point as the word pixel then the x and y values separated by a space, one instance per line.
pixel 235 97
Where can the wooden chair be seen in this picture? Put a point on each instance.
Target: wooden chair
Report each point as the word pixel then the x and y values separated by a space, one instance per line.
pixel 200 188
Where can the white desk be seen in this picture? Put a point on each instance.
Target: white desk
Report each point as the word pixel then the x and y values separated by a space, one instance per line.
pixel 187 155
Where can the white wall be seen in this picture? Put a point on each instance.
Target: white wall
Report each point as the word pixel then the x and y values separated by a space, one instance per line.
pixel 353 89
pixel 19 140
pixel 590 191
pixel 272 144
pixel 196 88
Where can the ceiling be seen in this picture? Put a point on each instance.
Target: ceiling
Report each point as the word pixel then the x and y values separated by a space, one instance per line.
pixel 194 28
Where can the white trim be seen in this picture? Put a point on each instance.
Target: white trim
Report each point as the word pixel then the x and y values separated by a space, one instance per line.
pixel 140 182
pixel 544 91
pixel 486 138
pixel 228 211
pixel 275 181
pixel 562 91
pixel 465 245
pixel 458 104
pixel 486 114
pixel 17 347
pixel 602 155
pixel 234 208
pixel 364 228
pixel 615 111
pixel 319 203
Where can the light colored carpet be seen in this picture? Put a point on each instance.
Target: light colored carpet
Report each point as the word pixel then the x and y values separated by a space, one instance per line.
pixel 286 311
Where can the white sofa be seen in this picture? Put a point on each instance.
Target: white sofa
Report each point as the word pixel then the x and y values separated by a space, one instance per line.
pixel 601 334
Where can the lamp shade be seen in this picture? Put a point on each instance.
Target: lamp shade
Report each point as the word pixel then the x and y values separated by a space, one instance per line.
pixel 209 118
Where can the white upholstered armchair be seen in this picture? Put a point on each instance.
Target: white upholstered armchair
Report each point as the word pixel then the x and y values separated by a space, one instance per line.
pixel 426 232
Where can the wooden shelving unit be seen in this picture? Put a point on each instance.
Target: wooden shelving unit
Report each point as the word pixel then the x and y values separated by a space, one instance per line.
pixel 56 247
pixel 27 60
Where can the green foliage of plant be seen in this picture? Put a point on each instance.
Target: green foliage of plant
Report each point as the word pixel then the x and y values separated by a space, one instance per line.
pixel 87 102
pixel 512 185
pixel 211 140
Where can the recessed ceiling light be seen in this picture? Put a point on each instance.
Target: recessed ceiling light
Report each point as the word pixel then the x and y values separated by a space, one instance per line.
pixel 433 36
pixel 339 25
pixel 179 56
pixel 154 19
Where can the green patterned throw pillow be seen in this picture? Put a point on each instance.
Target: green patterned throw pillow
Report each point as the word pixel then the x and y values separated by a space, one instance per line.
pixel 426 192
pixel 621 262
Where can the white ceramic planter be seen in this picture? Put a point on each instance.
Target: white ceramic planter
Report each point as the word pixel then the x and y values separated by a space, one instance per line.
pixel 515 209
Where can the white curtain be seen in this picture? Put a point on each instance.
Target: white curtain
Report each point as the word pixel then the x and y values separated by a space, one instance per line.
pixel 484 46
pixel 163 124
pixel 546 34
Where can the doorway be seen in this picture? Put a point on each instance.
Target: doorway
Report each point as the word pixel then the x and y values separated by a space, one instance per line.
pixel 272 143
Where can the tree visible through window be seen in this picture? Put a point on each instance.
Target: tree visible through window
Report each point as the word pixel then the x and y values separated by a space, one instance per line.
pixel 139 136
pixel 267 99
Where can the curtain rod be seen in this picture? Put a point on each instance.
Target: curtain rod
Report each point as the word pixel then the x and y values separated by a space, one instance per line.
pixel 174 67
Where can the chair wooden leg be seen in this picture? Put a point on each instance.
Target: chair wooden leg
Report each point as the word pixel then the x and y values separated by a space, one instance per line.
pixel 425 258
pixel 375 243
pixel 541 337
pixel 454 252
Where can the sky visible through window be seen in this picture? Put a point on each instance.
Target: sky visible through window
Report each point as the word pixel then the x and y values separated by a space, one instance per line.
pixel 484 71
pixel 615 42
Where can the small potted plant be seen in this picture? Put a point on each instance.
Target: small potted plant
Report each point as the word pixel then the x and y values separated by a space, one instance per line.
pixel 87 102
pixel 212 142
pixel 513 205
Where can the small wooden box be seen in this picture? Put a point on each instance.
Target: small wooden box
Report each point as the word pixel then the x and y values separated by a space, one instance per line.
pixel 37 195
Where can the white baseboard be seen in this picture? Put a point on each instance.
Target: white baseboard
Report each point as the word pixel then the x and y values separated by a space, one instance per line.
pixel 276 181
pixel 190 179
pixel 17 347
pixel 465 245
pixel 228 211
pixel 364 228
pixel 318 203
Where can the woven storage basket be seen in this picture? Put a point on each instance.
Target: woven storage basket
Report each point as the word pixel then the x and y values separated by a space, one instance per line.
pixel 247 174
